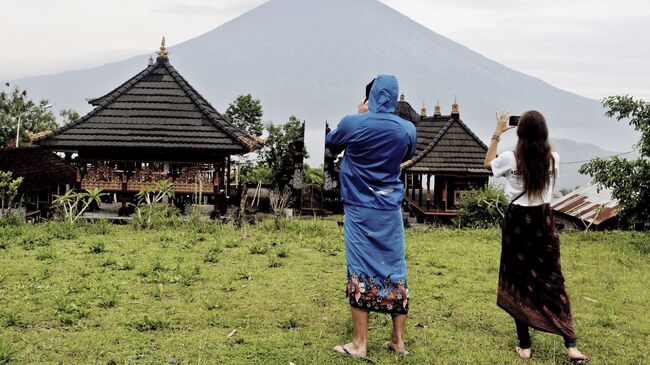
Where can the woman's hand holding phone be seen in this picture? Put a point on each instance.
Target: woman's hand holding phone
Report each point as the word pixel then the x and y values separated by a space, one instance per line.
pixel 502 124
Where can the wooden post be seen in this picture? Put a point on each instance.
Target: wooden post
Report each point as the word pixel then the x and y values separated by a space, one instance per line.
pixel 123 212
pixel 228 178
pixel 429 196
pixel 215 190
pixel 445 194
pixel 413 187
pixel 420 201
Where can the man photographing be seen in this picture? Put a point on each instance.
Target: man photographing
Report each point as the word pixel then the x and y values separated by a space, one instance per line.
pixel 375 142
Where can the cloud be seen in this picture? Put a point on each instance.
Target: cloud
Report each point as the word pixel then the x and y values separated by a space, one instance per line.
pixel 187 9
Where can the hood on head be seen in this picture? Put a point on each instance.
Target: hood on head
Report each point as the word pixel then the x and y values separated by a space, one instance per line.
pixel 383 95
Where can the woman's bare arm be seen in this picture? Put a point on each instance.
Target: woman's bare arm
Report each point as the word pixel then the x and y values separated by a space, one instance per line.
pixel 502 127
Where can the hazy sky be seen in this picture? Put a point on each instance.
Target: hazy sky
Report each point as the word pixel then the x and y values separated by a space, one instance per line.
pixel 591 47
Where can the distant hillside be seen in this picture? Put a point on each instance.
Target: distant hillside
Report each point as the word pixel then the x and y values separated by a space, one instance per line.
pixel 312 58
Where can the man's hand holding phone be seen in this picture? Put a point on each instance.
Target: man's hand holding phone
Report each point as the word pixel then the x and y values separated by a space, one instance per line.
pixel 363 106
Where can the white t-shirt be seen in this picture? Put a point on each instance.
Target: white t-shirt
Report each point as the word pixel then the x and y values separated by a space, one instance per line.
pixel 506 165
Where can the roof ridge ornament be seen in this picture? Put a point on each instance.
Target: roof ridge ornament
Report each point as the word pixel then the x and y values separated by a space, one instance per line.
pixel 437 110
pixel 163 53
pixel 455 110
pixel 423 111
pixel 150 61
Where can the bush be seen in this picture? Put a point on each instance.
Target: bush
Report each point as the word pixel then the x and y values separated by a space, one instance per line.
pixel 212 256
pixel 482 208
pixel 62 230
pixel 156 216
pixel 33 240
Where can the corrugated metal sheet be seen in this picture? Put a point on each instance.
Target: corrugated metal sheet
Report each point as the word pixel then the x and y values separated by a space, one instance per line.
pixel 588 204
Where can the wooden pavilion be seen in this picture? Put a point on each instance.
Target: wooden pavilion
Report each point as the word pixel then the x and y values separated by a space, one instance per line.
pixel 154 126
pixel 448 161
pixel 44 175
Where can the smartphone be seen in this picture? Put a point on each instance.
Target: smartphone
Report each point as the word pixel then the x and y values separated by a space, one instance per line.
pixel 368 88
pixel 514 120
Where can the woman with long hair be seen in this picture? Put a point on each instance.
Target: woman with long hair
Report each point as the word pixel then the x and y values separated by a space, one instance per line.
pixel 531 284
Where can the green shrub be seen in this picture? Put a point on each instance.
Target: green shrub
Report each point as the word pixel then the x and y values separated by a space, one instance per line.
pixel 70 311
pixel 46 254
pixel 481 208
pixel 156 216
pixel 12 318
pixel 212 256
pixel 97 247
pixel 259 248
pixel 100 227
pixel 107 297
pixel 150 324
pixel 62 230
pixel 6 353
pixel 32 240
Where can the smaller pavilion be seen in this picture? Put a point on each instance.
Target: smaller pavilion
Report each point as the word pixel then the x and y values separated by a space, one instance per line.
pixel 448 162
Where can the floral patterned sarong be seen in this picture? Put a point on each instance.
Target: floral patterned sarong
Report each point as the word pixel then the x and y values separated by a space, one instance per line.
pixel 376 266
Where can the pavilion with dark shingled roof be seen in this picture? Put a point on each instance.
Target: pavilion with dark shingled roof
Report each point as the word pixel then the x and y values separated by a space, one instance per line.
pixel 153 126
pixel 448 161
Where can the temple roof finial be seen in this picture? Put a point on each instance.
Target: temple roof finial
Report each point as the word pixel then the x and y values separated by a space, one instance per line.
pixel 402 97
pixel 163 53
pixel 455 110
pixel 423 111
pixel 438 110
pixel 150 61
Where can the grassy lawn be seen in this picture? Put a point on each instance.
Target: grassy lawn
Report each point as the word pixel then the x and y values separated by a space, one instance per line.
pixel 112 295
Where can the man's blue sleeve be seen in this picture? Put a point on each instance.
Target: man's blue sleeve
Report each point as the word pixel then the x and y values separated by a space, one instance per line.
pixel 337 139
pixel 413 140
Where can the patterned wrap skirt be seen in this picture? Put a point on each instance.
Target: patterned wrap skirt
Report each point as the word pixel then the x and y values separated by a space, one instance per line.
pixel 376 266
pixel 531 285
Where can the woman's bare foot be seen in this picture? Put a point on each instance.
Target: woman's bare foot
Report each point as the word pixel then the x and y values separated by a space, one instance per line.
pixel 524 353
pixel 396 347
pixel 351 349
pixel 576 356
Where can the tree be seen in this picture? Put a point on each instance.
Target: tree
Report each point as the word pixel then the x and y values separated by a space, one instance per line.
pixel 16 102
pixel 8 191
pixel 277 149
pixel 246 113
pixel 313 175
pixel 69 116
pixel 628 179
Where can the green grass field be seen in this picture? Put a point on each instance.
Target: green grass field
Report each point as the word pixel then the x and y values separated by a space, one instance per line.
pixel 101 294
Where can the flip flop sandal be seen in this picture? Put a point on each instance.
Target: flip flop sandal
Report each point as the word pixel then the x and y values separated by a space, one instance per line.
pixel 390 349
pixel 345 352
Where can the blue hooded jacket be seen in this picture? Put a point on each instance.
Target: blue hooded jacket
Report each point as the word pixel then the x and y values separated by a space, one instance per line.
pixel 375 145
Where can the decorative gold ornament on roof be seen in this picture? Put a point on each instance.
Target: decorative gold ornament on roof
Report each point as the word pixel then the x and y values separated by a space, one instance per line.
pixel 423 111
pixel 438 110
pixel 163 53
pixel 454 107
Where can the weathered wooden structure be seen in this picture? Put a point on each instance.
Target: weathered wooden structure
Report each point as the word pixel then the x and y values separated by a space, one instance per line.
pixel 449 161
pixel 154 126
pixel 331 196
pixel 44 175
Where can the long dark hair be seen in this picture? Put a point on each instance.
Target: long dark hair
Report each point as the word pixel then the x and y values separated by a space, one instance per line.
pixel 533 154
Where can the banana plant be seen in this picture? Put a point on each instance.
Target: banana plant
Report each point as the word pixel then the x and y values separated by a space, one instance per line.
pixel 71 202
pixel 155 194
